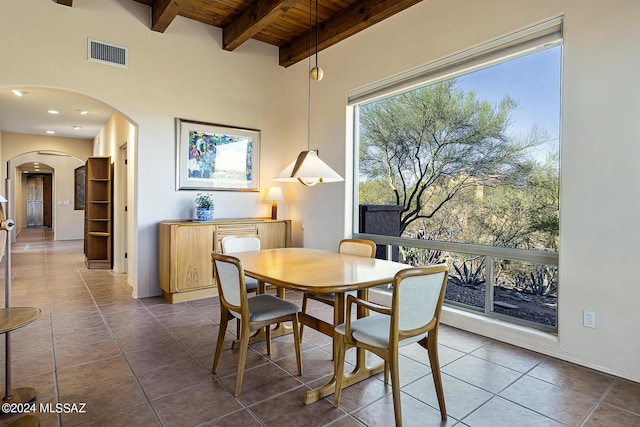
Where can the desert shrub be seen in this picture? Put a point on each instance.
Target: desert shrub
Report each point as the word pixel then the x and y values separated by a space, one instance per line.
pixel 470 274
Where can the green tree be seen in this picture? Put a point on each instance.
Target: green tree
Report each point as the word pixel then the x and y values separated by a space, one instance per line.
pixel 430 144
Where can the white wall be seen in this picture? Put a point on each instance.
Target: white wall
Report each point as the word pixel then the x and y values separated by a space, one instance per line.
pixel 119 132
pixel 599 154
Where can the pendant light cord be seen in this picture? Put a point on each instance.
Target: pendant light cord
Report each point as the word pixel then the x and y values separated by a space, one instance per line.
pixel 309 80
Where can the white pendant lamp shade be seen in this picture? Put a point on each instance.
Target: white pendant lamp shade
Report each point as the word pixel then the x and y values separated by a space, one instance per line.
pixel 309 170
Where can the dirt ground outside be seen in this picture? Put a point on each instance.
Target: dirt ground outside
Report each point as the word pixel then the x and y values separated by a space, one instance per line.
pixel 509 301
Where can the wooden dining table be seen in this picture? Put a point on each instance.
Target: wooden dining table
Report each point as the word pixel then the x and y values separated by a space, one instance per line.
pixel 319 272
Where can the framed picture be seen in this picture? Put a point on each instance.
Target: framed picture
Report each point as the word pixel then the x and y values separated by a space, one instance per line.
pixel 78 193
pixel 216 157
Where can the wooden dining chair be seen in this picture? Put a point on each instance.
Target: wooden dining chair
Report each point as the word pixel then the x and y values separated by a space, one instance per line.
pixel 242 243
pixel 414 316
pixel 255 313
pixel 360 247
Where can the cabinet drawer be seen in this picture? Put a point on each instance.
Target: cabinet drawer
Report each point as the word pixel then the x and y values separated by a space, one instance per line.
pixel 232 229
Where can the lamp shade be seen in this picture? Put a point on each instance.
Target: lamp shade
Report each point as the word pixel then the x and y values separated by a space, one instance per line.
pixel 309 170
pixel 274 194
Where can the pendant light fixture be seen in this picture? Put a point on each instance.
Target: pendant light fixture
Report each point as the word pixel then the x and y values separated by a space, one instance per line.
pixel 308 169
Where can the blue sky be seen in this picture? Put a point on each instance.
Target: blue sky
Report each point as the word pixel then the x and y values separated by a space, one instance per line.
pixel 533 80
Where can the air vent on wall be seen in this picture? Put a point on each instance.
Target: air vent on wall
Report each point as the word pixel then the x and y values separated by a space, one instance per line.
pixel 107 53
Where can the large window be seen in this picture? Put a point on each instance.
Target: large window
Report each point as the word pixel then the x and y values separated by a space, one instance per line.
pixel 467 151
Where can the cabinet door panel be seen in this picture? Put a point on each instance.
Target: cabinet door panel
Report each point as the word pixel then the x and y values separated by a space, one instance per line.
pixel 272 234
pixel 193 257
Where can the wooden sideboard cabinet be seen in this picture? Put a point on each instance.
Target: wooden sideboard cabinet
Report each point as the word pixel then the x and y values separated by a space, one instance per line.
pixel 185 271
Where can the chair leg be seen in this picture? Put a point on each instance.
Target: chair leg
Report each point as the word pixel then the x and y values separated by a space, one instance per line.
pixel 386 372
pixel 432 350
pixel 338 367
pixel 395 387
pixel 296 342
pixel 242 359
pixel 222 330
pixel 267 338
pixel 304 310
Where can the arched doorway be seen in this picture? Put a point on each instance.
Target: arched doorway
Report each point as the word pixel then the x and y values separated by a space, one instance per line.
pixel 28 119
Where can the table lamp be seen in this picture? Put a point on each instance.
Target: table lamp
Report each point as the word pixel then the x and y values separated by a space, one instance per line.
pixel 274 195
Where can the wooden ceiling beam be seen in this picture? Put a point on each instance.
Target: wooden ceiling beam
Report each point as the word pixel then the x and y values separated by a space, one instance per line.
pixel 163 13
pixel 65 2
pixel 357 17
pixel 253 20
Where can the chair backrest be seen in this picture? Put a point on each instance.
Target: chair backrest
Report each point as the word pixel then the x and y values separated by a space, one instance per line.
pixel 229 276
pixel 358 247
pixel 418 294
pixel 240 243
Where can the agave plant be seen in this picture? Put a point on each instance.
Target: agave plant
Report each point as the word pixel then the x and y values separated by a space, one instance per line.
pixel 468 275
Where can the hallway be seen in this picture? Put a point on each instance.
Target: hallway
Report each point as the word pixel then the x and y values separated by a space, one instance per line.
pixel 147 362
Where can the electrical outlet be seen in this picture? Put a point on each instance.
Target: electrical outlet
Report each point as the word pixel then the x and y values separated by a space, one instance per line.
pixel 589 319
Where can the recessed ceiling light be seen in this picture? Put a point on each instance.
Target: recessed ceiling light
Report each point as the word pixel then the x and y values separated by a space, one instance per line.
pixel 36 163
pixel 83 112
pixel 53 111
pixel 76 127
pixel 51 132
pixel 26 171
pixel 17 92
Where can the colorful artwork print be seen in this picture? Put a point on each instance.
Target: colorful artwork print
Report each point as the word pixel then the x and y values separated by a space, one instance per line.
pixel 216 157
pixel 236 153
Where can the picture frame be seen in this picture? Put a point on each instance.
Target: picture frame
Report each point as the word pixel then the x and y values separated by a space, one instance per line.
pixel 79 188
pixel 216 157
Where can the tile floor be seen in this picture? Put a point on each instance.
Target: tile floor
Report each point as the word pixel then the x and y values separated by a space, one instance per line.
pixel 146 362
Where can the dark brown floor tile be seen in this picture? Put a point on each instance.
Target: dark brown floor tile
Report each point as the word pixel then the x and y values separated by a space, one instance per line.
pixel 315 364
pixel 261 383
pixel 174 378
pixel 228 362
pixel 187 318
pixel 202 344
pixel 84 336
pixel 499 412
pixel 141 415
pixel 190 331
pixel 238 418
pixel 461 398
pixel 360 394
pixel 73 324
pixel 102 400
pixel 481 373
pixel 193 406
pixel 121 306
pixel 509 356
pixel 141 339
pixel 81 354
pixel 346 421
pixel 91 374
pixel 154 357
pixel 164 308
pixel 460 340
pixel 626 395
pixel 575 377
pixel 559 403
pixel 32 364
pixel 414 413
pixel 289 409
pixel 607 416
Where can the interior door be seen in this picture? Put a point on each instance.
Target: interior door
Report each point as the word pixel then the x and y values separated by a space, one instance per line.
pixel 35 201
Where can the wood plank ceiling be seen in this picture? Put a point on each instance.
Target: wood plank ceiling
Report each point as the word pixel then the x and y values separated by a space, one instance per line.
pixel 283 23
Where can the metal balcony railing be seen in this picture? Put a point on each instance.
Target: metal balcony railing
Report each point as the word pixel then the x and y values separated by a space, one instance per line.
pixel 490 254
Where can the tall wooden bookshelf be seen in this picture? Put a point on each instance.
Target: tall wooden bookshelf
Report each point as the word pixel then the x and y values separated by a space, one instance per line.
pixel 98 213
